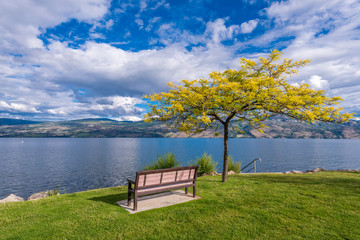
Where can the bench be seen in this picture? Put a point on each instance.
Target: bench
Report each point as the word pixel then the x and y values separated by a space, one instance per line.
pixel 161 180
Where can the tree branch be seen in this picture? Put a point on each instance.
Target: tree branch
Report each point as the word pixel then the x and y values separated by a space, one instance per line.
pixel 217 117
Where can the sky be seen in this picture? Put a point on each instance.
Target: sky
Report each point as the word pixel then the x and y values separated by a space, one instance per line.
pixel 66 59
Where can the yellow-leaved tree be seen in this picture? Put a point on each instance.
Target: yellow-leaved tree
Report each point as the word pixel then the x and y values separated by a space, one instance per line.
pixel 254 93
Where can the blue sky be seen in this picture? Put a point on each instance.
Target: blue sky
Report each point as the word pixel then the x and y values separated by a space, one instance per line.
pixel 65 59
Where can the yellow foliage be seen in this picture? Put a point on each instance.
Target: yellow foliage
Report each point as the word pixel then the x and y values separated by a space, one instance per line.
pixel 255 92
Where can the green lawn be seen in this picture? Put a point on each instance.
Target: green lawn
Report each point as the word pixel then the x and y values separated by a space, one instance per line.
pixel 323 205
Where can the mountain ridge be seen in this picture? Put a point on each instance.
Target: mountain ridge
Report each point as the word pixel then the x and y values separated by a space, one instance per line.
pixel 103 127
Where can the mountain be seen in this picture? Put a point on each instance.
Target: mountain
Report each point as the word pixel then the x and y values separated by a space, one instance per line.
pixel 9 121
pixel 84 128
pixel 278 128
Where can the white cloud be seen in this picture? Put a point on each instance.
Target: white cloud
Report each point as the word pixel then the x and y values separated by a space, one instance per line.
pixel 17 107
pixel 22 20
pixel 316 82
pixel 327 32
pixel 248 27
pixel 126 72
pixel 109 24
pixel 152 21
pixel 112 107
pixel 159 4
pixel 146 5
pixel 129 118
pixel 106 73
pixel 143 5
pixel 139 22
pixel 219 32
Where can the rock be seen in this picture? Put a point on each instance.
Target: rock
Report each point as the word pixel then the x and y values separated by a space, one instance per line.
pixel 296 172
pixel 231 173
pixel 12 198
pixel 40 195
pixel 213 173
pixel 318 170
pixel 37 196
pixel 287 172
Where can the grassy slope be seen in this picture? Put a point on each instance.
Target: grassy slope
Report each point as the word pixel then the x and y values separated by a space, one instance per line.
pixel 264 206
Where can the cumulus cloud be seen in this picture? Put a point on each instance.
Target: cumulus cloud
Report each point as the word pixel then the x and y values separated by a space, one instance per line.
pixel 17 107
pixel 112 107
pixel 89 81
pixel 22 21
pixel 317 83
pixel 219 32
pixel 248 27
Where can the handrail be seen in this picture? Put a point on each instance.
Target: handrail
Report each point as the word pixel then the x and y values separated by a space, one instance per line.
pixel 254 167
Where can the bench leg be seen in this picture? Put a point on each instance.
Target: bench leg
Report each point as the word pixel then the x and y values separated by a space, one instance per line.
pixel 129 199
pixel 135 201
pixel 129 194
pixel 194 191
pixel 186 190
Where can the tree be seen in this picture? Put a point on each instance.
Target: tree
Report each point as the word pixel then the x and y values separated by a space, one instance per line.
pixel 256 92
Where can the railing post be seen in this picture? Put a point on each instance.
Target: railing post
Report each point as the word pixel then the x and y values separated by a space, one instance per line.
pixel 252 162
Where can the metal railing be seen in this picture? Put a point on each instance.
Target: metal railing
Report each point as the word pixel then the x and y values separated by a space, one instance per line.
pixel 254 166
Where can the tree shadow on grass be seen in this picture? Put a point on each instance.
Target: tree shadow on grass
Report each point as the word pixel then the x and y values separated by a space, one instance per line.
pixel 110 199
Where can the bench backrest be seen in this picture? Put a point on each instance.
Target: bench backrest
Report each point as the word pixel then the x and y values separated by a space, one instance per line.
pixel 153 178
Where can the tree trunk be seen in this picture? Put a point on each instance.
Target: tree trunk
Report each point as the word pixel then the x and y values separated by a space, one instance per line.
pixel 226 152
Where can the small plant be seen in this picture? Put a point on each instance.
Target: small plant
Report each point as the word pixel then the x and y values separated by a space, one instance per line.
pixel 166 161
pixel 206 164
pixel 53 192
pixel 233 166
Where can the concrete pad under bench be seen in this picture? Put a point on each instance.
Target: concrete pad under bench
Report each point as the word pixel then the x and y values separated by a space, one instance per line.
pixel 158 200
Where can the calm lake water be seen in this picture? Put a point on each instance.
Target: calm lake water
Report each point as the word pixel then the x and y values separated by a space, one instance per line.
pixel 32 165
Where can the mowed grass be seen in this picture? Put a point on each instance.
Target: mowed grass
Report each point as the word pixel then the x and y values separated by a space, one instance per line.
pixel 323 205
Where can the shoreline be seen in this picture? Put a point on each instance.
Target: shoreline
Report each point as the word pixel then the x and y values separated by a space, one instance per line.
pixel 47 193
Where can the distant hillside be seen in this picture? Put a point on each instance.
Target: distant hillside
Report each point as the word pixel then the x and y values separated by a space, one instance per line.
pixel 109 128
pixel 84 128
pixel 9 121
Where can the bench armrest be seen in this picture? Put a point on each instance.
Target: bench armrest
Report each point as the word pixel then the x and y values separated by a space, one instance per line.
pixel 130 181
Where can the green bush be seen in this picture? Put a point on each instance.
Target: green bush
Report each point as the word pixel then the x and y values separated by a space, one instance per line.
pixel 206 164
pixel 166 161
pixel 233 166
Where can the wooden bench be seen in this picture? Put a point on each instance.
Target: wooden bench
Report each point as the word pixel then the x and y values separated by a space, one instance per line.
pixel 162 180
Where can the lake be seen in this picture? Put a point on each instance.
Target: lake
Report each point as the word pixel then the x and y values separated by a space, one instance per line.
pixel 30 165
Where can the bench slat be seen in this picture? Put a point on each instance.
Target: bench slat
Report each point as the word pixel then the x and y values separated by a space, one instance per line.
pixel 168 183
pixel 178 185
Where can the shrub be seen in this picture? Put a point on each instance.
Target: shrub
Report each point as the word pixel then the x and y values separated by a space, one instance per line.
pixel 166 161
pixel 233 166
pixel 206 164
